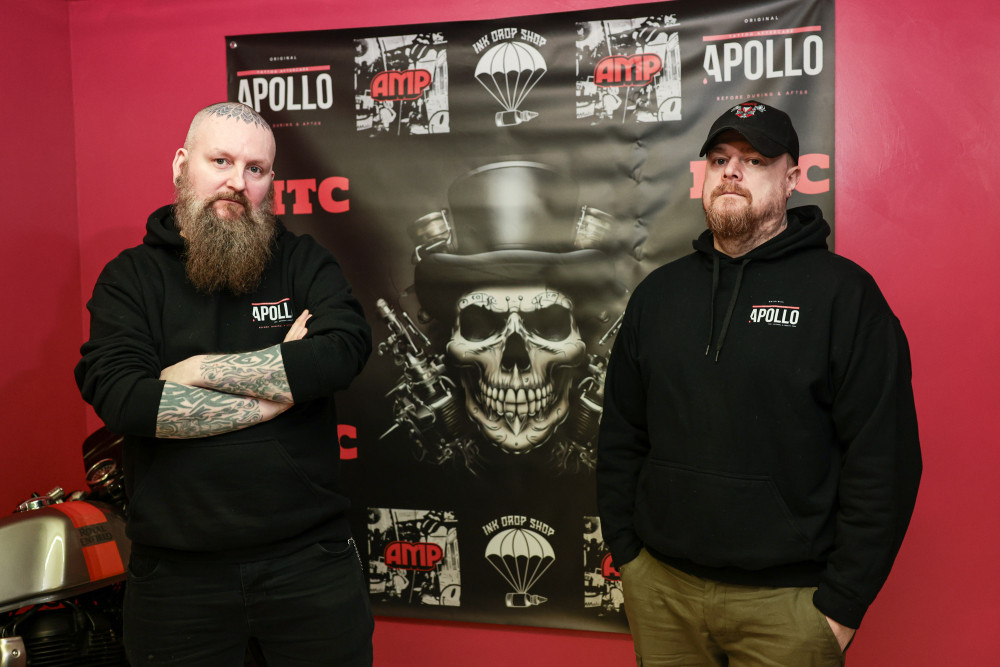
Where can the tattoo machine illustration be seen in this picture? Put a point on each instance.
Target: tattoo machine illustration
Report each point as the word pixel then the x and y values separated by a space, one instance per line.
pixel 424 399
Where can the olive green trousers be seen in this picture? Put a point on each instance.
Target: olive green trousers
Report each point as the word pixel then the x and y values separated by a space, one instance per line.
pixel 679 619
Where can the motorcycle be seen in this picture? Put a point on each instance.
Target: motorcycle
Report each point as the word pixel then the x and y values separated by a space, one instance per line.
pixel 62 569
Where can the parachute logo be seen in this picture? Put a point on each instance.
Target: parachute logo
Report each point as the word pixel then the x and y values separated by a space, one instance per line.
pixel 521 556
pixel 508 71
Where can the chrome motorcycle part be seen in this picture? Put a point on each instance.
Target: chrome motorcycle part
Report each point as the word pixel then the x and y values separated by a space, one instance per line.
pixel 60 550
pixel 12 653
pixel 100 473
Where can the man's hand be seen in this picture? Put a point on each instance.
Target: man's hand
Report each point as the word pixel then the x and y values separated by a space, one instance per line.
pixel 184 372
pixel 298 329
pixel 843 633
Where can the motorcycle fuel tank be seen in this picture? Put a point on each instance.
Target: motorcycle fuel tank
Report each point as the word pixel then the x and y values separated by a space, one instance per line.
pixel 60 550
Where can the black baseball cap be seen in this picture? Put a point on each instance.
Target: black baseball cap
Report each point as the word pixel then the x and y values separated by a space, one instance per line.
pixel 769 130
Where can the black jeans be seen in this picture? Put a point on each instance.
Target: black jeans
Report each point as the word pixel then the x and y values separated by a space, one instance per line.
pixel 307 608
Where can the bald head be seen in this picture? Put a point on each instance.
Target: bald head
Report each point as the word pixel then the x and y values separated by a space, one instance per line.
pixel 225 111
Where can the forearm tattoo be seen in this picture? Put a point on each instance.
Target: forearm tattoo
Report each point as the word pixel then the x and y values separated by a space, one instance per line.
pixel 191 412
pixel 260 374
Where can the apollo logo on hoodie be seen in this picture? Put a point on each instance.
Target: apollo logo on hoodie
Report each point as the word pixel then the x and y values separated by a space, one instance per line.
pixel 775 314
pixel 275 313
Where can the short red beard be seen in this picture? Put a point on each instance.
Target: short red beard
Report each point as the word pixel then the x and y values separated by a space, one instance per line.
pixel 743 222
pixel 224 253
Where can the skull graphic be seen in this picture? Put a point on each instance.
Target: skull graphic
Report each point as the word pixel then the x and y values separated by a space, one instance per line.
pixel 516 348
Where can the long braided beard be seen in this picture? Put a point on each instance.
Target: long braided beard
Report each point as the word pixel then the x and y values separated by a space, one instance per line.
pixel 224 253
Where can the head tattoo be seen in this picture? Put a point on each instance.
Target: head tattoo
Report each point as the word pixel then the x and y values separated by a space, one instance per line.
pixel 226 111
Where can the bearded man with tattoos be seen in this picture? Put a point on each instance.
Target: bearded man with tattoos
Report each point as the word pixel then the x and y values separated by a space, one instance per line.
pixel 216 347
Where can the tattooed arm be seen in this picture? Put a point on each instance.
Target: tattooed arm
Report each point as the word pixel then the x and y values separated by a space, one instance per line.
pixel 209 394
pixel 192 412
pixel 259 374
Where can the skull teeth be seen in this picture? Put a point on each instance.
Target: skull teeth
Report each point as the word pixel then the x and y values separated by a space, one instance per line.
pixel 515 405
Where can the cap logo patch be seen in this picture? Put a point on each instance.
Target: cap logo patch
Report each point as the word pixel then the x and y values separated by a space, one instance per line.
pixel 748 109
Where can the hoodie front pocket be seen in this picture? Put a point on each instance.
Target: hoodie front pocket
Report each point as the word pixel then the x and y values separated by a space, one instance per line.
pixel 213 495
pixel 716 519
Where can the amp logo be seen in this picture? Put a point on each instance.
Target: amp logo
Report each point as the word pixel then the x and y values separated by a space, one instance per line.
pixel 636 70
pixel 393 85
pixel 420 556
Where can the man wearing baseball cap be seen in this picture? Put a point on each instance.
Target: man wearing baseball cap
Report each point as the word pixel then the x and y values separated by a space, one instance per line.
pixel 758 459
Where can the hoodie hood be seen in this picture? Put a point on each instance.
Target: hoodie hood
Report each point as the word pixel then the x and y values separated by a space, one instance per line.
pixel 806 230
pixel 161 229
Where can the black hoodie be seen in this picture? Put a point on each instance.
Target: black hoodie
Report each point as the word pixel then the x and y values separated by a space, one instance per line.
pixel 263 490
pixel 759 425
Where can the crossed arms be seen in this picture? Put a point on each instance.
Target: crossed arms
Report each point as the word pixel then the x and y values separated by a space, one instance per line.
pixel 209 394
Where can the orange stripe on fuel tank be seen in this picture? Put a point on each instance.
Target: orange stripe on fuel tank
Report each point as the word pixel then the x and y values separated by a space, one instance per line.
pixel 102 557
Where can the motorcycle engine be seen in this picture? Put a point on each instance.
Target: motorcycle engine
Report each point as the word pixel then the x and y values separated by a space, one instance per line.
pixel 82 632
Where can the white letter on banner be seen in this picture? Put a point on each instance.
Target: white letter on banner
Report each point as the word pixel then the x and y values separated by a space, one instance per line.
pixel 712 62
pixel 324 91
pixel 789 54
pixel 753 60
pixel 771 72
pixel 259 92
pixel 292 104
pixel 812 58
pixel 277 93
pixel 306 104
pixel 243 97
pixel 731 57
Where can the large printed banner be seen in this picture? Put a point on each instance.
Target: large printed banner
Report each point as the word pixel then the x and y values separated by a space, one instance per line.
pixel 494 190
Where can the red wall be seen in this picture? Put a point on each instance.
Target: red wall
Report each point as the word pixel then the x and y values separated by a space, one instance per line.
pixel 916 85
pixel 41 415
pixel 918 89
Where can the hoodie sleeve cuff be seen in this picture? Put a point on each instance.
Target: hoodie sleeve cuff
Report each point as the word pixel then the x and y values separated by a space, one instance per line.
pixel 842 609
pixel 623 552
pixel 139 406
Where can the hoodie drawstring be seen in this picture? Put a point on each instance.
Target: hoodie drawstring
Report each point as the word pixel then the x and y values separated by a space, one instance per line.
pixel 711 305
pixel 729 311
